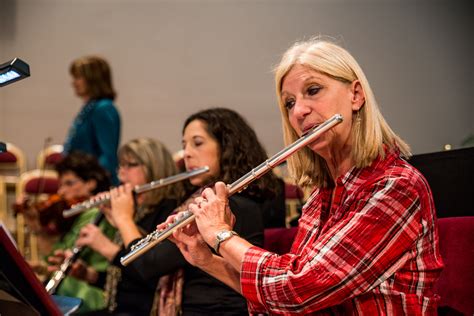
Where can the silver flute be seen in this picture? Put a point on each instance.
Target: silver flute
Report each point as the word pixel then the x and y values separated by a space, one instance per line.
pixel 186 217
pixel 59 275
pixel 97 201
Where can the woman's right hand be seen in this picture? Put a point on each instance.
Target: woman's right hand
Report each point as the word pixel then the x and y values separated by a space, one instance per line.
pixel 122 205
pixel 80 270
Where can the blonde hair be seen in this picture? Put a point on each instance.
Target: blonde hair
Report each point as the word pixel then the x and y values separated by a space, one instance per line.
pixel 157 163
pixel 370 134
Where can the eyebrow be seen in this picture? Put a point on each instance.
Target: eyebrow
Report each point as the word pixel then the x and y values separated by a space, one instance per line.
pixel 192 138
pixel 312 77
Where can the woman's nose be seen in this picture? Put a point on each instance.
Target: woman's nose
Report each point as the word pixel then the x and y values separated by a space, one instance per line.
pixel 61 190
pixel 186 151
pixel 301 109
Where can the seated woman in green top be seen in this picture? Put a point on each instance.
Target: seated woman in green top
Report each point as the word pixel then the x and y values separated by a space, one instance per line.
pixel 81 176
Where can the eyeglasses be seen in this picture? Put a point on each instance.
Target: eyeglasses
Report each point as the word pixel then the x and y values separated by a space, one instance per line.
pixel 128 165
pixel 69 183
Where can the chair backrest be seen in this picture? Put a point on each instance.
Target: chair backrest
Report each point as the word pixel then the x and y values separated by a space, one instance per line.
pixel 279 240
pixel 456 283
pixel 33 183
pixel 38 182
pixel 12 163
pixel 49 157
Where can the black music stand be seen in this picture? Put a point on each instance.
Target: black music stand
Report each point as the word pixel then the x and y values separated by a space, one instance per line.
pixel 21 293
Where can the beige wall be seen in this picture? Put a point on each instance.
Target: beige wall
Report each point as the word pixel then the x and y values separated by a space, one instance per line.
pixel 171 58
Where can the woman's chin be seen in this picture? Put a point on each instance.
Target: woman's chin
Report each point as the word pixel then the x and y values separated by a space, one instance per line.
pixel 318 146
pixel 196 182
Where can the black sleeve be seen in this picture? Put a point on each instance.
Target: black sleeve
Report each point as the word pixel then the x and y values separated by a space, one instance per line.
pixel 101 278
pixel 274 207
pixel 162 259
pixel 166 258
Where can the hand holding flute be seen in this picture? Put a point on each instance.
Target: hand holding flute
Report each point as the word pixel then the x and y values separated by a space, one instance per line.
pixel 219 216
pixel 78 269
pixel 216 216
pixel 104 198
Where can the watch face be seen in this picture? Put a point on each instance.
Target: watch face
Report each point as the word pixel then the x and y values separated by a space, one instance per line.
pixel 221 237
pixel 224 235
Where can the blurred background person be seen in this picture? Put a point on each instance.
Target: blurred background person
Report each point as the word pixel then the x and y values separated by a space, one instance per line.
pixel 80 178
pixel 96 128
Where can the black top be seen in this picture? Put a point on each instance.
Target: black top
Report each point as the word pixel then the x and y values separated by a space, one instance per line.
pixel 203 294
pixel 274 208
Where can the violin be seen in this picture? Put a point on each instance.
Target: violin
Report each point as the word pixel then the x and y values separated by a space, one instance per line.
pixel 49 213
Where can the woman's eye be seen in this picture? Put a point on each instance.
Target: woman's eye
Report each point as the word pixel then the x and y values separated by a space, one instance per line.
pixel 289 104
pixel 313 90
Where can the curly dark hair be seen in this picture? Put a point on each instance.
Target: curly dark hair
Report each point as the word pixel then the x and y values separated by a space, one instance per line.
pixel 240 149
pixel 86 167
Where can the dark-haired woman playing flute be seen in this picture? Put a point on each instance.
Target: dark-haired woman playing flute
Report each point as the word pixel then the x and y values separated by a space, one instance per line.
pixel 222 140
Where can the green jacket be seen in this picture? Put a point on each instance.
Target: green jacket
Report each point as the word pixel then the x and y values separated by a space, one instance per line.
pixel 92 297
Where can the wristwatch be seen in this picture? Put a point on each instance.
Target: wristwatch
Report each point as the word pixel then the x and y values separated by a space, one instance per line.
pixel 222 236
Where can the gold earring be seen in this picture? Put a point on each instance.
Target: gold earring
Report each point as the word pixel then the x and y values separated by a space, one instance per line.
pixel 357 119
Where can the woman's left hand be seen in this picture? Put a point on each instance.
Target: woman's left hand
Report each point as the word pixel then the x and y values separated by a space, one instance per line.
pixel 212 212
pixel 190 243
pixel 91 236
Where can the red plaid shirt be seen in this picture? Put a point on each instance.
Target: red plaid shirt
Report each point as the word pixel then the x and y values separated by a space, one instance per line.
pixel 374 251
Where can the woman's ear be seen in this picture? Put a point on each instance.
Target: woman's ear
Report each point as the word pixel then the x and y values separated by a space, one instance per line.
pixel 358 95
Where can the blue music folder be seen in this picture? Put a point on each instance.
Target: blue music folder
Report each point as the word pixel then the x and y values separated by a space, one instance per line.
pixel 67 304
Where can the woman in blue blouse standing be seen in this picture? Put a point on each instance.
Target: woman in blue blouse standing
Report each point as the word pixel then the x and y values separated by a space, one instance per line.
pixel 96 128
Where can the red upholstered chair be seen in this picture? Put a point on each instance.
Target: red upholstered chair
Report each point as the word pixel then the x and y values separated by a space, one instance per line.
pixel 3 201
pixel 456 283
pixel 49 157
pixel 12 164
pixel 39 183
pixel 279 240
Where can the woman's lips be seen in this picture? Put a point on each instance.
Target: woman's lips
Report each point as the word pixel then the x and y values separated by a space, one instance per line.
pixel 309 128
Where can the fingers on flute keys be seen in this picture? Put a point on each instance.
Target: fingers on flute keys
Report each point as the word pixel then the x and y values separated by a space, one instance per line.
pixel 199 201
